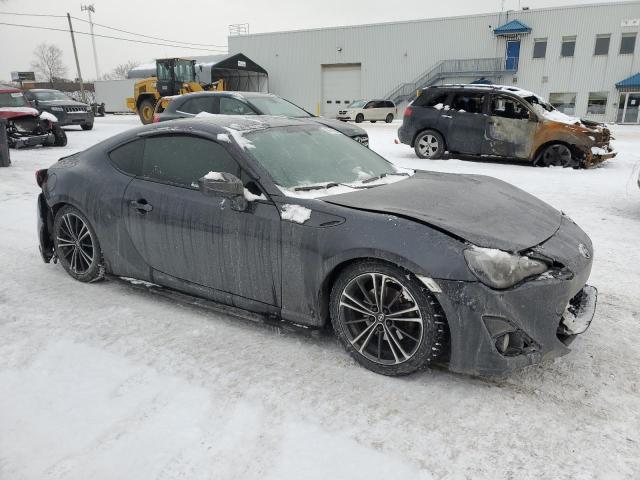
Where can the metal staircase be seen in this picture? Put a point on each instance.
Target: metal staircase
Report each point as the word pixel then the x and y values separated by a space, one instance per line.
pixel 470 67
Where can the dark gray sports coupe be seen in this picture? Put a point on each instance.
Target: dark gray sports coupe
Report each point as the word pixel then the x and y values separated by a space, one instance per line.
pixel 293 221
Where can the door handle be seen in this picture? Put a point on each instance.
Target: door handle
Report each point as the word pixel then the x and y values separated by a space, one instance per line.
pixel 141 205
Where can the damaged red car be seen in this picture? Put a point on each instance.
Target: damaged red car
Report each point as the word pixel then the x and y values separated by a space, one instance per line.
pixel 26 127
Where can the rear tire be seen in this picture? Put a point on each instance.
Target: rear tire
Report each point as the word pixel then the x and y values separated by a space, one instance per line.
pixel 389 118
pixel 429 144
pixel 76 245
pixel 59 135
pixel 386 318
pixel 359 118
pixel 145 111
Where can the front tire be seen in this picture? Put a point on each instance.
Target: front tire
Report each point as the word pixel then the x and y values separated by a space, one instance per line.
pixel 145 111
pixel 60 136
pixel 429 144
pixel 87 126
pixel 386 319
pixel 76 245
pixel 557 155
pixel 359 118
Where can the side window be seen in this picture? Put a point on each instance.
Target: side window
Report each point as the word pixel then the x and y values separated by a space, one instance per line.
pixel 370 105
pixel 426 100
pixel 467 102
pixel 233 106
pixel 181 160
pixel 197 105
pixel 507 107
pixel 128 157
pixel 390 105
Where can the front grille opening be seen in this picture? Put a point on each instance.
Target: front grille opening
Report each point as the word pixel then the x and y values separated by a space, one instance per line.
pixel 507 338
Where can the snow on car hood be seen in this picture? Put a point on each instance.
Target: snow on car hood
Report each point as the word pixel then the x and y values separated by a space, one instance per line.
pixel 479 209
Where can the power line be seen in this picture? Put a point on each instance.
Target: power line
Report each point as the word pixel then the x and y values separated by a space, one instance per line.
pixel 113 28
pixel 149 36
pixel 33 14
pixel 113 38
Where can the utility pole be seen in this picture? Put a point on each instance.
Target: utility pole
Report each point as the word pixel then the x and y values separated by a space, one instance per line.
pixel 75 53
pixel 90 9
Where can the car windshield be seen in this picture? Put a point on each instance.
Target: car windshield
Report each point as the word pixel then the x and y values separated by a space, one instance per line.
pixel 357 104
pixel 50 95
pixel 278 106
pixel 14 99
pixel 309 155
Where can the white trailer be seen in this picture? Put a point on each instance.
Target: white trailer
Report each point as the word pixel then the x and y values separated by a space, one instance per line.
pixel 114 93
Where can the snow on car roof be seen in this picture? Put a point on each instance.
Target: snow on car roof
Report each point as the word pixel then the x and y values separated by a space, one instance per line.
pixel 507 88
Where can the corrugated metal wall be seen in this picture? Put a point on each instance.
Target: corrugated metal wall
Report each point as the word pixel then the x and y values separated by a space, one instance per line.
pixel 393 53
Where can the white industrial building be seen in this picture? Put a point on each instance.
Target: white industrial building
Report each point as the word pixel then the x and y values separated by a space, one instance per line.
pixel 585 59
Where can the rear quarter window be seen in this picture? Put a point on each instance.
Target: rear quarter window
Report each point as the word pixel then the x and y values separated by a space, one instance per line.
pixel 128 157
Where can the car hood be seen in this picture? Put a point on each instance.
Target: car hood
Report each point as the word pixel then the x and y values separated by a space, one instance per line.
pixel 343 127
pixel 14 112
pixel 61 103
pixel 482 210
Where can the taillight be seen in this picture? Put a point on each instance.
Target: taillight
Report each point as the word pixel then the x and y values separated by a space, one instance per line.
pixel 41 176
pixel 408 111
pixel 156 118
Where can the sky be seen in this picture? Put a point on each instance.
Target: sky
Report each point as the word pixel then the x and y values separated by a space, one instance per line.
pixel 203 22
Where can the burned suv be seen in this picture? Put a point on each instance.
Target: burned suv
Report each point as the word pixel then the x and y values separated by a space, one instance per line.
pixel 501 121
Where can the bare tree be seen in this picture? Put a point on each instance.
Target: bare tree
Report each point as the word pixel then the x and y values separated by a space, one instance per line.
pixel 48 63
pixel 121 70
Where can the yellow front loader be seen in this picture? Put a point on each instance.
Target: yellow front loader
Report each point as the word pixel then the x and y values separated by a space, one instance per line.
pixel 174 76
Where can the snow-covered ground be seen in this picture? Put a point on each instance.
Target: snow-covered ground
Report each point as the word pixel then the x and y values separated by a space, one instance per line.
pixel 107 381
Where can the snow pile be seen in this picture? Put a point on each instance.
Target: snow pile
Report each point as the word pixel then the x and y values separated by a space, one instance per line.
pixel 439 106
pixel 205 115
pixel 49 116
pixel 252 197
pixel 240 139
pixel 295 213
pixel 214 176
pixel 598 151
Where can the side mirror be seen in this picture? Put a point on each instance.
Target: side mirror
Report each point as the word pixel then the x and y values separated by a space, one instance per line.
pixel 34 102
pixel 225 185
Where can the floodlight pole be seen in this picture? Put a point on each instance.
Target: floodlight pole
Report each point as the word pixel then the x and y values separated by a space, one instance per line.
pixel 75 53
pixel 91 9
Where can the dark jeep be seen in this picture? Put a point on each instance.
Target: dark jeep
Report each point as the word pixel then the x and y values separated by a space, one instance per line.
pixel 66 110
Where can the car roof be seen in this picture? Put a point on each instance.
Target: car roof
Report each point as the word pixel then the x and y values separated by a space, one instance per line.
pixel 211 123
pixel 42 90
pixel 480 87
pixel 224 94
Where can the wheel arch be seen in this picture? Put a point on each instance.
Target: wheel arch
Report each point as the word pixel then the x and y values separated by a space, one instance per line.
pixel 571 146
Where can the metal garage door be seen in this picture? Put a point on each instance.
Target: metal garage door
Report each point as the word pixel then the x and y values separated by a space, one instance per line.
pixel 340 86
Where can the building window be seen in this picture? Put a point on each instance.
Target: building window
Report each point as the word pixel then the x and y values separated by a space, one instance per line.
pixel 565 102
pixel 597 103
pixel 602 44
pixel 540 48
pixel 628 43
pixel 568 46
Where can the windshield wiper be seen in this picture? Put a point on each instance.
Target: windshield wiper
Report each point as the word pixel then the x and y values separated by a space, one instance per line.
pixel 378 177
pixel 322 186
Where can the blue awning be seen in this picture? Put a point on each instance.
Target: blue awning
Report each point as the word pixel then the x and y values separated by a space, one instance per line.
pixel 511 28
pixel 633 82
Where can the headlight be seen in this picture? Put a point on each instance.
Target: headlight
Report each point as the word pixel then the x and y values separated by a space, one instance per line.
pixel 57 109
pixel 500 269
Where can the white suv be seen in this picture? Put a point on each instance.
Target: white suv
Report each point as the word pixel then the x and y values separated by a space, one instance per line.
pixel 372 110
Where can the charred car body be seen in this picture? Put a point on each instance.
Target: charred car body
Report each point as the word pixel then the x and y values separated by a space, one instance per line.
pixel 501 121
pixel 291 220
pixel 26 127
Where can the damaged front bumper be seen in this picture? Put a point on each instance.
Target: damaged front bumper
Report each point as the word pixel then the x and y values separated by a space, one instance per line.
pixel 597 155
pixel 494 332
